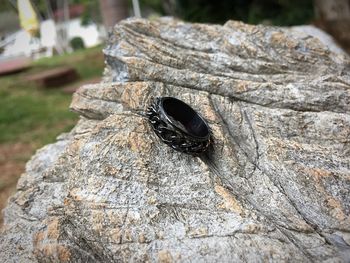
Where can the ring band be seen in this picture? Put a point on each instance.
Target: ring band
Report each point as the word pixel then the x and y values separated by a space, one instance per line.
pixel 179 126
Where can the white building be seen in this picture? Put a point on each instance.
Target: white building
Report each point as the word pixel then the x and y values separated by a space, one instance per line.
pixel 21 43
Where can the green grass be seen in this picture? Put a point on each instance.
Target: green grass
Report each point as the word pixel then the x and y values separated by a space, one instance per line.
pixel 88 62
pixel 29 114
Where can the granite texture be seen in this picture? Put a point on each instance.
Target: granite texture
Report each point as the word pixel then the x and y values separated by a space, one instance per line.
pixel 277 188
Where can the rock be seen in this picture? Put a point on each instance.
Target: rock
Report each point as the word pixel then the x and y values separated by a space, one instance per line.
pixel 325 38
pixel 278 187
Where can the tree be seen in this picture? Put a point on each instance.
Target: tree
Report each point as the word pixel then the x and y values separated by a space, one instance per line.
pixel 334 17
pixel 113 11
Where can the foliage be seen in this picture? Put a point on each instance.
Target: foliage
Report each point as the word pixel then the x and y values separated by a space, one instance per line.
pixel 155 5
pixel 77 43
pixel 91 12
pixel 277 12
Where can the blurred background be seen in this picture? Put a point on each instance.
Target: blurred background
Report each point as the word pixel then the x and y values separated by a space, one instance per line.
pixel 48 48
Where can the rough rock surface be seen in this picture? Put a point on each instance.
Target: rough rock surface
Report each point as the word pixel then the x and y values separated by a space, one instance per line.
pixel 109 191
pixel 325 38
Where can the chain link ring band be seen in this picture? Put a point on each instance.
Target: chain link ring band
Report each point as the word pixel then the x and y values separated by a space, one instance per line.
pixel 179 126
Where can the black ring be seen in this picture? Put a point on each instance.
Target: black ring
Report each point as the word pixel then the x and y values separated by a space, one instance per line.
pixel 179 126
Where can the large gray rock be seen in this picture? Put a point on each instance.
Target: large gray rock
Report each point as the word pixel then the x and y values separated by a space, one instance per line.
pixel 277 188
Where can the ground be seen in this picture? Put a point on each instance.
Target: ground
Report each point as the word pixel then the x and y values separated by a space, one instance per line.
pixel 31 117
